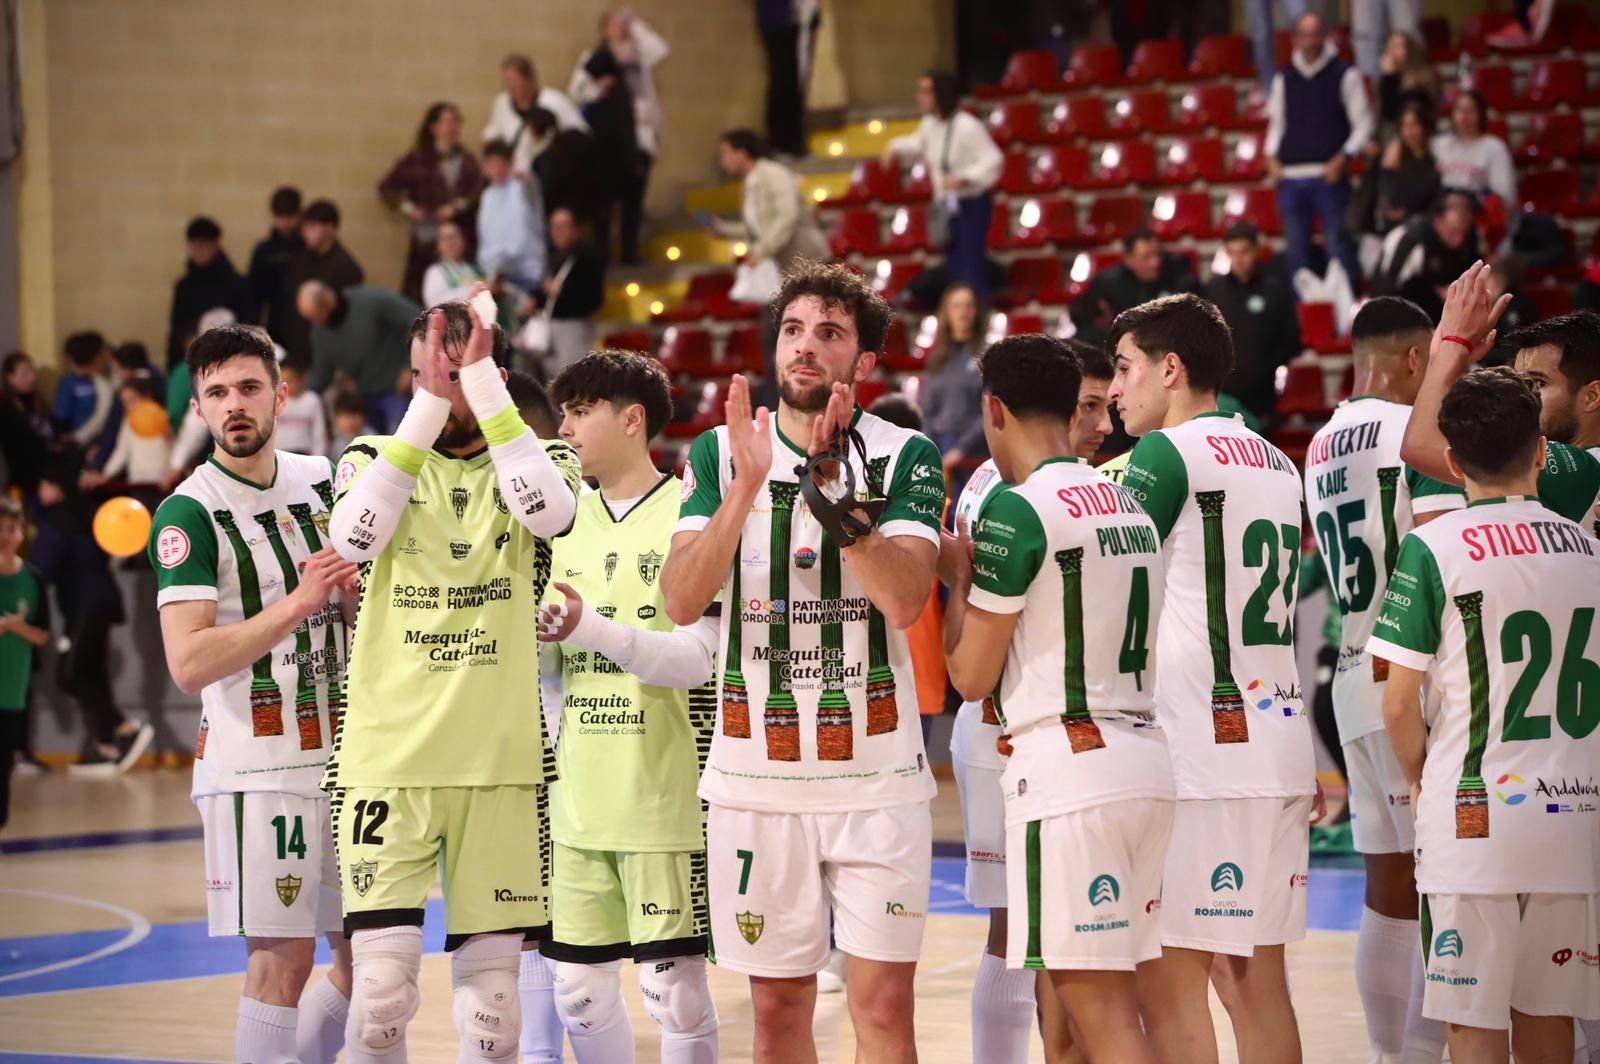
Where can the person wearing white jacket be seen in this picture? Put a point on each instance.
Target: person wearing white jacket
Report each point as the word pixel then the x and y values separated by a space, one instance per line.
pixel 512 106
pixel 963 165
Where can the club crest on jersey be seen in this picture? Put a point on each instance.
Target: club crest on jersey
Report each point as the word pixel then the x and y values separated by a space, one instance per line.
pixel 459 497
pixel 611 566
pixel 288 889
pixel 649 567
pixel 361 875
pixel 500 500
pixel 750 926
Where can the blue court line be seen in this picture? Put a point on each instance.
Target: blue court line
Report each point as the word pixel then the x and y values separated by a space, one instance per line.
pixel 99 839
pixel 185 950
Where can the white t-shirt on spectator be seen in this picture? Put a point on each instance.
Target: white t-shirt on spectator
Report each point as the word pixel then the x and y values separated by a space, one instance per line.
pixel 1481 167
pixel 303 425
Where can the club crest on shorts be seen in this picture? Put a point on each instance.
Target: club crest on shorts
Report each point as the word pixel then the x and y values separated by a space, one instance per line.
pixel 649 567
pixel 288 889
pixel 361 876
pixel 750 926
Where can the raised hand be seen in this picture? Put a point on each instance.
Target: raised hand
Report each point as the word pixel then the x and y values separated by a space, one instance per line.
pixel 749 439
pixel 833 420
pixel 480 342
pixel 1470 313
pixel 323 574
pixel 437 373
pixel 558 620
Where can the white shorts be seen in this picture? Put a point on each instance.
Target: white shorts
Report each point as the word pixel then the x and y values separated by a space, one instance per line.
pixel 773 877
pixel 1380 798
pixel 1085 888
pixel 978 766
pixel 270 866
pixel 1236 874
pixel 1491 953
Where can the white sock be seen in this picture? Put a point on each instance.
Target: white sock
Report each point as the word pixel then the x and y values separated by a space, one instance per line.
pixel 610 1042
pixel 1424 1037
pixel 541 1024
pixel 1384 948
pixel 265 1033
pixel 323 1013
pixel 1002 1011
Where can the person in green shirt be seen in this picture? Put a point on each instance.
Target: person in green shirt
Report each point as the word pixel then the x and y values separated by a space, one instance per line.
pixel 24 627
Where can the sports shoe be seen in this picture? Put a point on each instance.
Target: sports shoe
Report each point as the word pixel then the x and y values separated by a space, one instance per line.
pixel 94 765
pixel 132 746
pixel 28 765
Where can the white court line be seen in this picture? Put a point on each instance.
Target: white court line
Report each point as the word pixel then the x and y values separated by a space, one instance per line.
pixel 138 931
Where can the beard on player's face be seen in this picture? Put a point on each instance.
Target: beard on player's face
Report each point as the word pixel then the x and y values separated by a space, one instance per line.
pixel 462 431
pixel 810 396
pixel 242 436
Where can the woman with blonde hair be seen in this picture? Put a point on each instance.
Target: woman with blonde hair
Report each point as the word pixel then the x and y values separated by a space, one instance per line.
pixel 952 388
pixel 1406 75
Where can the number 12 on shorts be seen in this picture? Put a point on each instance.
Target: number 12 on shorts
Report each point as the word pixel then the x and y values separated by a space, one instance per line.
pixel 369 817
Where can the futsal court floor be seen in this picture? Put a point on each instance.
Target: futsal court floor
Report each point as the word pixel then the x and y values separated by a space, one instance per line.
pixel 104 953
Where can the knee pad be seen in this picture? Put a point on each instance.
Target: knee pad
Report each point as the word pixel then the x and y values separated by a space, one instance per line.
pixel 383 987
pixel 588 995
pixel 677 996
pixel 487 1007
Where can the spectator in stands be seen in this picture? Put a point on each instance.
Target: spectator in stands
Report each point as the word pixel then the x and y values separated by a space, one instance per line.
pixel 1259 309
pixel 776 222
pixel 1317 119
pixel 209 280
pixel 1469 156
pixel 303 422
pixel 137 459
pixel 362 332
pixel 132 360
pixel 68 558
pixel 1507 272
pixel 1408 177
pixel 436 181
pixel 271 259
pixel 513 107
pixel 574 291
pixel 618 172
pixel 24 628
pixel 324 258
pixel 565 167
pixel 27 435
pixel 511 223
pixel 1422 257
pixel 963 166
pixel 1371 20
pixel 1406 76
pixel 952 387
pixel 1146 272
pixel 84 394
pixel 349 421
pixel 453 275
pixel 637 49
pixel 788 30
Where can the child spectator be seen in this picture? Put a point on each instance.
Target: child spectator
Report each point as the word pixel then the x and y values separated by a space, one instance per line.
pixel 392 407
pixel 349 421
pixel 24 627
pixel 140 460
pixel 303 422
pixel 84 394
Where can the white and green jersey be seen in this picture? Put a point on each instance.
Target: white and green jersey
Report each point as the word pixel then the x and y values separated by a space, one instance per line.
pixel 1569 484
pixel 220 538
pixel 1077 694
pixel 818 707
pixel 1116 468
pixel 444 677
pixel 629 753
pixel 1227 505
pixel 1363 500
pixel 982 486
pixel 1497 604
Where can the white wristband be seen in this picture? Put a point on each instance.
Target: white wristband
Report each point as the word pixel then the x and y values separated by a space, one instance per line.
pixel 485 389
pixel 424 419
pixel 604 636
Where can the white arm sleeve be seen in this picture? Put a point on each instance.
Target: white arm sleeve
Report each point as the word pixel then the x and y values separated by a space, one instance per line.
pixel 539 496
pixel 680 658
pixel 366 515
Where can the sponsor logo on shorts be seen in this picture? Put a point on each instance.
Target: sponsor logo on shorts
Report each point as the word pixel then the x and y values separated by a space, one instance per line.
pixel 985 857
pixel 1298 879
pixel 894 908
pixel 650 908
pixel 750 926
pixel 361 876
pixel 1104 890
pixel 506 894
pixel 214 885
pixel 1509 790
pixel 1589 959
pixel 1395 799
pixel 1152 906
pixel 1446 944
pixel 288 889
pixel 1226 876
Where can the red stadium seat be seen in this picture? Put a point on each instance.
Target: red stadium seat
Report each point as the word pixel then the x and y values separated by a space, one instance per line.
pixel 871 390
pixel 1157 60
pixel 1436 33
pixel 686 350
pixel 1477 27
pixel 1248 162
pixel 1551 135
pixel 1015 175
pixel 1084 267
pixel 1258 206
pixel 1282 48
pixel 1207 106
pixel 1222 55
pixel 1141 113
pixel 889 278
pixel 1492 81
pixel 898 355
pixel 1339 36
pixel 628 340
pixel 705 404
pixel 1304 391
pixel 1028 71
pixel 1129 162
pixel 1029 279
pixel 1178 214
pixel 1317 329
pixel 908 231
pixel 1077 117
pixel 1254 114
pixel 1046 221
pixel 1588 206
pixel 1191 159
pixel 1002 325
pixel 707 296
pixel 1093 66
pixel 1569 27
pixel 1551 299
pixel 1015 120
pixel 741 352
pixel 870 182
pixel 1058 165
pixel 1548 191
pixel 854 230
pixel 1114 217
pixel 1554 81
pixel 915 187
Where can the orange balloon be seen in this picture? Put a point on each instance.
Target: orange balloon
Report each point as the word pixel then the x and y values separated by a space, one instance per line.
pixel 122 526
pixel 147 419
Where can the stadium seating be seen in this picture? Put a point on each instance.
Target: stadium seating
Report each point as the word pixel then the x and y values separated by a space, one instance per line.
pixel 916 186
pixel 741 351
pixel 1256 205
pixel 1550 299
pixel 1548 191
pixel 1492 81
pixel 688 351
pixel 1140 114
pixel 908 231
pixel 1129 162
pixel 1222 55
pixel 1016 121
pixel 707 296
pixel 1029 71
pixel 704 404
pixel 898 354
pixel 1058 165
pixel 1191 159
pixel 1436 34
pixel 1248 162
pixel 1039 222
pixel 870 181
pixel 1093 66
pixel 1207 107
pixel 1317 329
pixel 1305 392
pixel 890 277
pixel 1551 135
pixel 1114 217
pixel 1156 61
pixel 854 230
pixel 628 340
pixel 1554 81
pixel 1075 118
pixel 1179 214
pixel 1033 279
